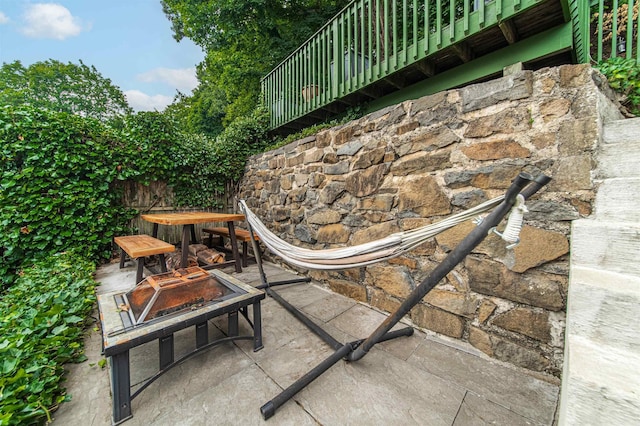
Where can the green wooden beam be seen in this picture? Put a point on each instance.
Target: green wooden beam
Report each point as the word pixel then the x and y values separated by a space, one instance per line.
pixel 552 41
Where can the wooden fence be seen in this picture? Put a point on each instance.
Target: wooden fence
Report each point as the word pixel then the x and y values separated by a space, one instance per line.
pixel 158 197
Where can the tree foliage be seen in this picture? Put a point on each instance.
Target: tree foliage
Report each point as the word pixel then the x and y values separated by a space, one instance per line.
pixel 243 41
pixel 71 88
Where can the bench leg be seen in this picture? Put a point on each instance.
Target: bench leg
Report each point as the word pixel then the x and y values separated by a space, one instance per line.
pixel 140 268
pixel 122 258
pixel 245 256
pixel 163 263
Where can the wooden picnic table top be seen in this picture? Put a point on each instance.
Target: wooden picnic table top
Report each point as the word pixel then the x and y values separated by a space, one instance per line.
pixel 189 218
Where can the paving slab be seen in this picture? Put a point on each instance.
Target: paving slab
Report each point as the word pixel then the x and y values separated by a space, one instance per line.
pixel 524 394
pixel 419 379
pixel 230 402
pixel 476 411
pixel 88 387
pixel 329 307
pixel 383 390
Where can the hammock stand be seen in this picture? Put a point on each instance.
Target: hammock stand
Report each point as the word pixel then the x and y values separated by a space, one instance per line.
pixel 523 187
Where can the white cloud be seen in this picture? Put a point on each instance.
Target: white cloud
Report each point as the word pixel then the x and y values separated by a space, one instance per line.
pixel 184 79
pixel 140 101
pixel 50 20
pixel 3 18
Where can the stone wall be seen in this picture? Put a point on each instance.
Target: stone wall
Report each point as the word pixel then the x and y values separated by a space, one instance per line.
pixel 420 161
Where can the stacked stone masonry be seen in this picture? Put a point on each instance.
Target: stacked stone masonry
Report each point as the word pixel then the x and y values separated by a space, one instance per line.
pixel 419 162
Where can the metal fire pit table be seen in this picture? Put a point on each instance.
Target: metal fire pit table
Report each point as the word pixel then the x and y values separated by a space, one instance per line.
pixel 122 329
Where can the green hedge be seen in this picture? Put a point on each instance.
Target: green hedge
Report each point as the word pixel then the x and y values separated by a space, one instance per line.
pixel 42 317
pixel 56 171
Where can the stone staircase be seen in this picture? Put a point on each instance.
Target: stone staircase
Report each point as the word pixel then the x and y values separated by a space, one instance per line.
pixel 601 377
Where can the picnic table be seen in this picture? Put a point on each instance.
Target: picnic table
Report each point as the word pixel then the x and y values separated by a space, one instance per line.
pixel 188 220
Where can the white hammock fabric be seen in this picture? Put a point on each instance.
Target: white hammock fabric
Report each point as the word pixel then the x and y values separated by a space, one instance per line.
pixel 363 254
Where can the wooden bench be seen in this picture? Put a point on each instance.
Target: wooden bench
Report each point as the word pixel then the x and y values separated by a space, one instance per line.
pixel 242 235
pixel 140 246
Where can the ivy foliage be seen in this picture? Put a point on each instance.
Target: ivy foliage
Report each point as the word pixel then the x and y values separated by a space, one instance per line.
pixel 146 147
pixel 42 317
pixel 207 164
pixel 624 77
pixel 56 171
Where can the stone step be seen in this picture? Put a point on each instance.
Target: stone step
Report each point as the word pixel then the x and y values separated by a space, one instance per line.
pixel 620 159
pixel 612 246
pixel 603 307
pixel 618 200
pixel 622 131
pixel 601 386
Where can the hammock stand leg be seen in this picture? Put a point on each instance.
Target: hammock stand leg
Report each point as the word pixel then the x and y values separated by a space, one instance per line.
pixel 266 286
pixel 263 277
pixel 354 351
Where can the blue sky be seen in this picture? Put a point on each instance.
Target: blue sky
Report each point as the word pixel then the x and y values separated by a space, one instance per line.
pixel 128 41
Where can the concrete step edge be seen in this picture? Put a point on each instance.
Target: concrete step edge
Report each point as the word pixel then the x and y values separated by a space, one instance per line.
pixel 606 245
pixel 616 282
pixel 617 199
pixel 622 130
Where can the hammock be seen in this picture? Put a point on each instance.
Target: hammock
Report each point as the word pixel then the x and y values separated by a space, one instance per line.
pixel 363 254
pixel 512 203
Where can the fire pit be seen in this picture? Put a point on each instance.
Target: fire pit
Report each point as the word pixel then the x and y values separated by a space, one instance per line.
pixel 163 304
pixel 163 294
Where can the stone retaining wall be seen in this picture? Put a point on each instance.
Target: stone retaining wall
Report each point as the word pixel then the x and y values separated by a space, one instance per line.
pixel 420 161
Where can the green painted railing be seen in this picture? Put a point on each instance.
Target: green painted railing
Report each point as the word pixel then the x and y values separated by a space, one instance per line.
pixel 605 29
pixel 370 40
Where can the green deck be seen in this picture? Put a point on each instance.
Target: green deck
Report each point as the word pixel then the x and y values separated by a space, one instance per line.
pixel 376 53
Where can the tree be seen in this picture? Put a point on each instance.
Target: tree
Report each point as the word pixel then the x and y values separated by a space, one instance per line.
pixel 243 40
pixel 77 89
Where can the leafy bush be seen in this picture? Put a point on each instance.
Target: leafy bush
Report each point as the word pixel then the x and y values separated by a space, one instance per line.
pixel 206 164
pixel 624 77
pixel 55 193
pixel 42 317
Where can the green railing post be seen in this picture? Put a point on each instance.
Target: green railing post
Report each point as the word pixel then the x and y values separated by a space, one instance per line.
pixel 629 47
pixel 614 30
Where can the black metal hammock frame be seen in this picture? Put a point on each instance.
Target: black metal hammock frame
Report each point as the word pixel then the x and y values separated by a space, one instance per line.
pixel 524 184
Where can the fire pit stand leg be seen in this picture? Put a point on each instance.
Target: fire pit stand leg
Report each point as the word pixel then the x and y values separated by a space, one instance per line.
pixel 165 349
pixel 121 386
pixel 233 324
pixel 202 334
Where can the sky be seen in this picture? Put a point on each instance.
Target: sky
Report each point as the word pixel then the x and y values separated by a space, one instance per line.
pixel 128 41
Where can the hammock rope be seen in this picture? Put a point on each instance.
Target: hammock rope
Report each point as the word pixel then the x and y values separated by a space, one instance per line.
pixel 365 254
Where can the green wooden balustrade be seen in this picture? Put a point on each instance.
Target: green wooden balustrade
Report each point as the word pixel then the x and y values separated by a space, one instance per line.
pixel 370 40
pixel 608 28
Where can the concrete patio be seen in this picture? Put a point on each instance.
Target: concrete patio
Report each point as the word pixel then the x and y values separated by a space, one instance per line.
pixel 422 379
